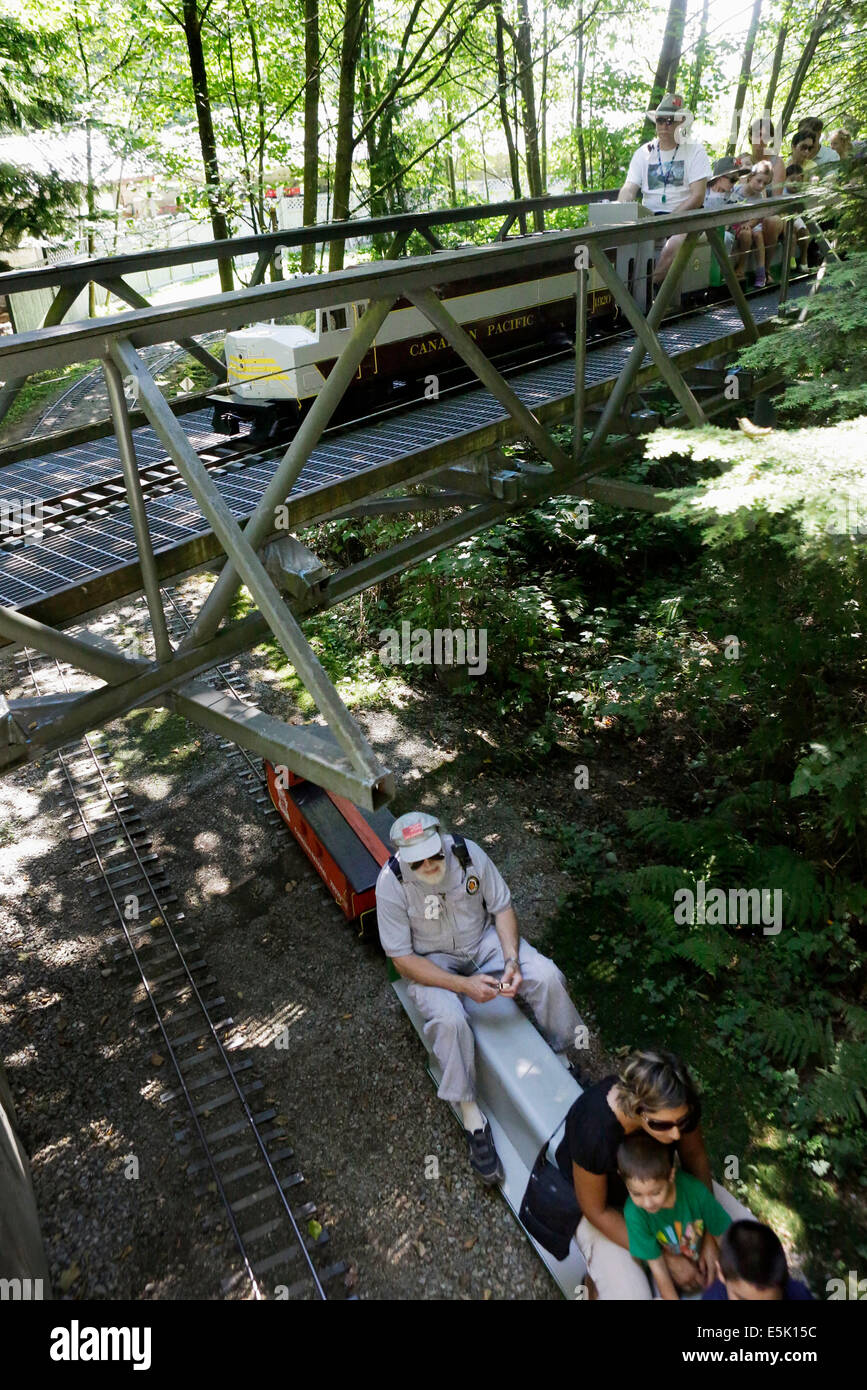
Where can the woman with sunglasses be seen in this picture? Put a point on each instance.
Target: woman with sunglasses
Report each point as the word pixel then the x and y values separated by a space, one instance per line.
pixel 654 1092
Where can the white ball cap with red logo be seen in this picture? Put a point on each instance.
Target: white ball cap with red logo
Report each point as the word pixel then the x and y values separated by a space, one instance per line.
pixel 415 836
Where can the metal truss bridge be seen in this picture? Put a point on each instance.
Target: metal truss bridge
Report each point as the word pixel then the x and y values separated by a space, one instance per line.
pixel 161 499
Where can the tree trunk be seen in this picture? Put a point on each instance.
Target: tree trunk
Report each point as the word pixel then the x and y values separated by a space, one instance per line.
pixel 91 216
pixel 700 55
pixel 579 100
pixel 776 65
pixel 355 16
pixel 207 140
pixel 311 127
pixel 502 83
pixel 524 50
pixel 743 80
pixel 669 56
pixel 823 21
pixel 543 101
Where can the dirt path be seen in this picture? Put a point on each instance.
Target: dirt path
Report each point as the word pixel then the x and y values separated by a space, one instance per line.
pixel 360 1110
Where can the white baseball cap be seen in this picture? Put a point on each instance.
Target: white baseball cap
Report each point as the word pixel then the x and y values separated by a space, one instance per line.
pixel 415 837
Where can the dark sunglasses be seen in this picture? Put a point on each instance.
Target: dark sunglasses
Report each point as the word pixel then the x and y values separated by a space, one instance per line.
pixel 660 1126
pixel 666 120
pixel 432 857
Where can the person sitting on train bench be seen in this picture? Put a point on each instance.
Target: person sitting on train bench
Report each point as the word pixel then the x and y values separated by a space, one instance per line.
pixel 752 1266
pixel 823 154
pixel 720 186
pixel 446 920
pixel 670 172
pixel 652 1092
pixel 669 1212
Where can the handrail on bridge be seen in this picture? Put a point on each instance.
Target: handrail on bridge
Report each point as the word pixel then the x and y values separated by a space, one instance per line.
pixel 64 344
pixel 80 272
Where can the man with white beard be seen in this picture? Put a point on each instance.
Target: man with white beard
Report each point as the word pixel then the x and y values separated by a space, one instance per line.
pixel 446 920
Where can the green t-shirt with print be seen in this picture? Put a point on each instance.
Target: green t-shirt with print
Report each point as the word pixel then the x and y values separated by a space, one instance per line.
pixel 679 1228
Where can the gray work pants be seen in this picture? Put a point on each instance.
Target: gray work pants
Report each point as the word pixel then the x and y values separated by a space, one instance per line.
pixel 446 1023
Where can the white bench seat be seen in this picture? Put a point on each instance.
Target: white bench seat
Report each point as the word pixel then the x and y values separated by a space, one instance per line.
pixel 525 1092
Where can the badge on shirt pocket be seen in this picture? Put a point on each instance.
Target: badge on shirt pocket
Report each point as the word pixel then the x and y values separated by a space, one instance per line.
pixel 472 884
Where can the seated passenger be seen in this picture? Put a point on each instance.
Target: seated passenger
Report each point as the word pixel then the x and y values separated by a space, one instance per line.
pixel 446 921
pixel 726 172
pixel 653 1093
pixel 724 176
pixel 750 234
pixel 841 143
pixel 803 147
pixel 822 154
pixel 667 1213
pixel 752 1265
pixel 763 145
pixel 670 172
pixel 794 183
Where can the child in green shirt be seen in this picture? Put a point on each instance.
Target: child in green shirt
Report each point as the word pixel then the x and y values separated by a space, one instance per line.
pixel 669 1211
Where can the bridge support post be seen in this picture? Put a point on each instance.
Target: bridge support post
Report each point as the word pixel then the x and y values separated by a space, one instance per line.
pixel 240 550
pixel 580 364
pixel 129 462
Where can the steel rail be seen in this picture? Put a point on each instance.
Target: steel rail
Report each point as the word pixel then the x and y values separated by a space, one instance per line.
pixel 110 797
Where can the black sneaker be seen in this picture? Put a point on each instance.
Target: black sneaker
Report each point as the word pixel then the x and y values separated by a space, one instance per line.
pixel 483 1156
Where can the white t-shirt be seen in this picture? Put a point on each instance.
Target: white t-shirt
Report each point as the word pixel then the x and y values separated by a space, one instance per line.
pixel 664 176
pixel 825 155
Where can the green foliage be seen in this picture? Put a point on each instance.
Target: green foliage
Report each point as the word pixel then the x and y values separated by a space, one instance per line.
pixel 824 358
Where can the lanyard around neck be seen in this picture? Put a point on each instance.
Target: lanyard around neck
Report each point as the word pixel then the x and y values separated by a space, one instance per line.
pixel 666 172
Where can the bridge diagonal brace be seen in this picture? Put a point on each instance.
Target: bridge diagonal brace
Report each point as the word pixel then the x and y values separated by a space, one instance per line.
pixel 138 511
pixel 439 316
pixel 123 291
pixel 249 566
pixel 733 284
pixel 632 365
pixel 646 335
pixel 309 750
pixel 96 655
pixel 261 523
pixel 57 310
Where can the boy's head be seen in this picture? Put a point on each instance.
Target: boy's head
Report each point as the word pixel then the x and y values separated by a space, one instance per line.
pixel 647 1170
pixel 725 173
pixel 752 1262
pixel 794 173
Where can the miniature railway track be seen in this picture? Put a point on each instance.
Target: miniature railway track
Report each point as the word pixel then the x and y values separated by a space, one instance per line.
pixel 243 1154
pixel 230 677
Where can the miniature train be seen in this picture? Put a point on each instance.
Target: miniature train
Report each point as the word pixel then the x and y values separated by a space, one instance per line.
pixel 275 370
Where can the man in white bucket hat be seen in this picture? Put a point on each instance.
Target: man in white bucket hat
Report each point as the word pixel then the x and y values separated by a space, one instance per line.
pixel 446 920
pixel 670 172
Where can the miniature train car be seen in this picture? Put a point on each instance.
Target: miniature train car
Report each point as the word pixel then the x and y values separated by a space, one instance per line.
pixel 347 846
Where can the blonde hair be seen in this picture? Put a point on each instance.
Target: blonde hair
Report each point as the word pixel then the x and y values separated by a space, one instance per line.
pixel 764 166
pixel 653 1080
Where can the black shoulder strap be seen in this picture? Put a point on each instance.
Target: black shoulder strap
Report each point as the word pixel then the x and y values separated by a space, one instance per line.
pixel 460 851
pixel 394 865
